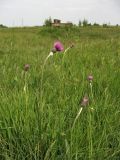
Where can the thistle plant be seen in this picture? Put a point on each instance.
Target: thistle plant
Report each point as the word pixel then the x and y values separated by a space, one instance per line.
pixel 26 68
pixel 90 130
pixel 90 80
pixel 58 47
pixel 83 103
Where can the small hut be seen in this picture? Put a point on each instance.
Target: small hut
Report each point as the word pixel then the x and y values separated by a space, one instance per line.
pixel 57 23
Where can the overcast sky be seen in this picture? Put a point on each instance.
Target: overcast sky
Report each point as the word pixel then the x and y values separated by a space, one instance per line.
pixel 34 12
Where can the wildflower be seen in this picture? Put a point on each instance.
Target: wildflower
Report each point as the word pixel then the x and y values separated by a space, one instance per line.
pixel 58 46
pixel 26 67
pixel 90 78
pixel 85 101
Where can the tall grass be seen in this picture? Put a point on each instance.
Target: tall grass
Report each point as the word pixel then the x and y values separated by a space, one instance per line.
pixel 30 129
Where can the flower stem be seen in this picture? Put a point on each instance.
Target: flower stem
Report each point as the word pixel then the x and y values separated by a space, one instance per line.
pixel 66 50
pixel 90 135
pixel 91 90
pixel 42 74
pixel 80 110
pixel 25 91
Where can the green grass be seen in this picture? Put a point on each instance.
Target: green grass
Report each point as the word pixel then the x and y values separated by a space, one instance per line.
pixel 35 128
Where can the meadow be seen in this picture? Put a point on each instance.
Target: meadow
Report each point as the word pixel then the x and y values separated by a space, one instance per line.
pixel 49 127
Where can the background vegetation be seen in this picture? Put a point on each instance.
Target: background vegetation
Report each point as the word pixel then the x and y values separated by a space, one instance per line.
pixel 32 128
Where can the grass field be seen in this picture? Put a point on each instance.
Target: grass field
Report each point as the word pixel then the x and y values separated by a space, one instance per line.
pixel 42 122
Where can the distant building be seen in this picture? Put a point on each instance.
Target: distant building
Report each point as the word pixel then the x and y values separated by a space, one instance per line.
pixel 57 23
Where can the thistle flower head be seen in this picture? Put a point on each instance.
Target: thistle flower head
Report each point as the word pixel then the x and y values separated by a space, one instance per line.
pixel 26 67
pixel 58 46
pixel 90 78
pixel 85 101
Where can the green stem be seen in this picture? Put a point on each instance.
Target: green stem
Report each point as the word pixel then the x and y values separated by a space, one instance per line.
pixel 91 90
pixel 42 74
pixel 26 96
pixel 77 116
pixel 40 111
pixel 66 50
pixel 90 135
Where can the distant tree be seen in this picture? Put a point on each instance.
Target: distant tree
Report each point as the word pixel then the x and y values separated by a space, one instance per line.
pixel 48 22
pixel 2 26
pixel 89 24
pixel 80 23
pixel 85 22
pixel 96 24
pixel 105 25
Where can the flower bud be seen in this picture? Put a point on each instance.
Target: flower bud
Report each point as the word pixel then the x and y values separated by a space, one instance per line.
pixel 90 78
pixel 85 101
pixel 72 45
pixel 26 67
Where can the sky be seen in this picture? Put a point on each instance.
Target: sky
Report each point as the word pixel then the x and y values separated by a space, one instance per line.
pixel 34 12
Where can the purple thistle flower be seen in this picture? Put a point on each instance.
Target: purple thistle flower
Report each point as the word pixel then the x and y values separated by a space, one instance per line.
pixel 58 46
pixel 85 101
pixel 26 67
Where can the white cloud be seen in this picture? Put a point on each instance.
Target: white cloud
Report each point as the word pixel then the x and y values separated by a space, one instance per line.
pixel 33 12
